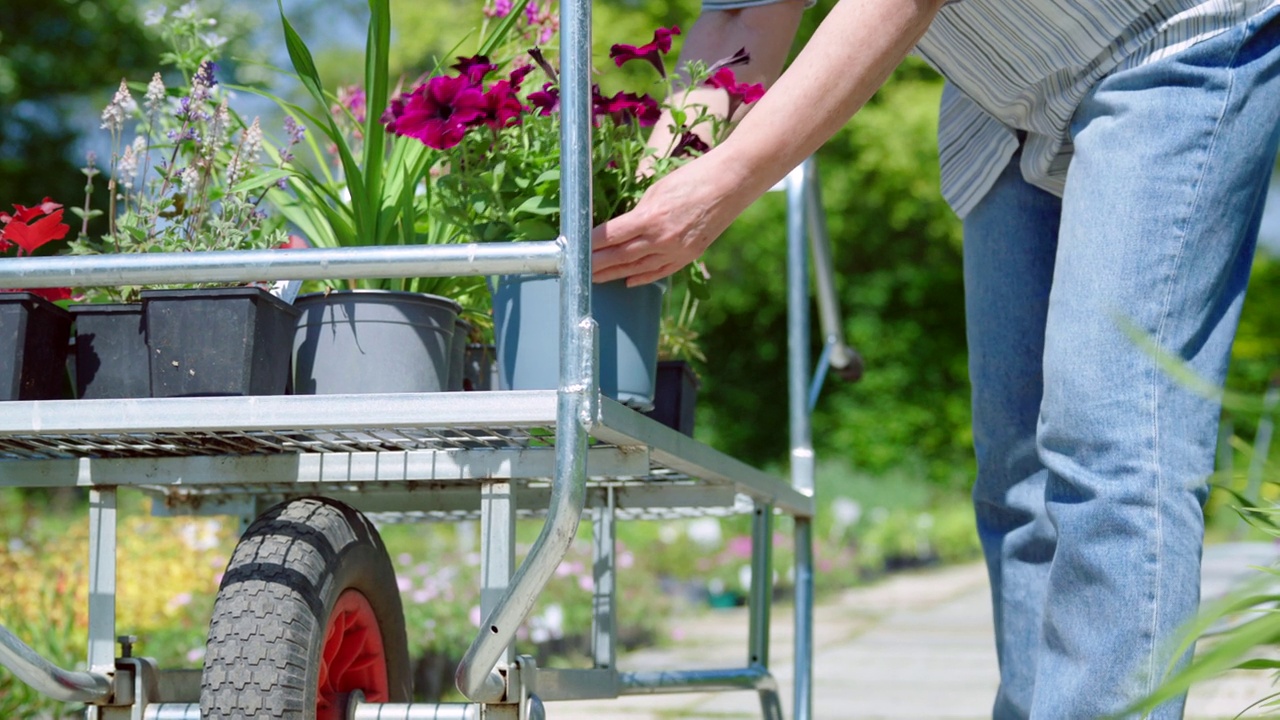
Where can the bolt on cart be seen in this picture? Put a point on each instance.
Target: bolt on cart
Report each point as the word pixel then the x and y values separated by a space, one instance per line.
pixel 308 622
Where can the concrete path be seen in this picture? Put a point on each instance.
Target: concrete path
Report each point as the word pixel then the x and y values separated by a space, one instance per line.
pixel 916 646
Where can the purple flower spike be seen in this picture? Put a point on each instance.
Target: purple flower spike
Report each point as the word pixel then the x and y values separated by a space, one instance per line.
pixel 651 52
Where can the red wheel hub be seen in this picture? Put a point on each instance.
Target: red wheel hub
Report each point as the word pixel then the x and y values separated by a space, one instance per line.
pixel 352 657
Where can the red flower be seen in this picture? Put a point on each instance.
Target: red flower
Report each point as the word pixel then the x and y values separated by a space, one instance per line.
pixel 26 229
pixel 502 107
pixel 739 93
pixel 651 52
pixel 547 100
pixel 438 113
pixel 474 68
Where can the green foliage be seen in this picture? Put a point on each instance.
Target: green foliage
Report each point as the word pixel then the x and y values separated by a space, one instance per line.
pixel 896 251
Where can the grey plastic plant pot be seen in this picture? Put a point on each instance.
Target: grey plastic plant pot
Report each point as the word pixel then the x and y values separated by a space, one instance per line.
pixel 372 341
pixel 34 335
pixel 527 331
pixel 218 341
pixel 111 351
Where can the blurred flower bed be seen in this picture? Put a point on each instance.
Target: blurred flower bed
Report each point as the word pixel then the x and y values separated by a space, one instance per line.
pixel 169 569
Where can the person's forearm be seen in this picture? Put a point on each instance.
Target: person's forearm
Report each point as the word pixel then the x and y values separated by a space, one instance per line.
pixel 852 53
pixel 766 32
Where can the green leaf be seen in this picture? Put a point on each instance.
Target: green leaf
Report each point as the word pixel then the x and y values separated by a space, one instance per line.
pixel 538 205
pixel 262 180
pixel 532 229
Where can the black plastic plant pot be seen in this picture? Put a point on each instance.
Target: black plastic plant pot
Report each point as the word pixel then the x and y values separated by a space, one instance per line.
pixel 219 341
pixel 675 395
pixel 111 351
pixel 34 334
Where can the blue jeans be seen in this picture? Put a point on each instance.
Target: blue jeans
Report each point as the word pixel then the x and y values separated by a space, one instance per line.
pixel 1092 460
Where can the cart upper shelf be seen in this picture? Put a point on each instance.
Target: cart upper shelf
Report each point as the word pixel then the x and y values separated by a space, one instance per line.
pixel 425 452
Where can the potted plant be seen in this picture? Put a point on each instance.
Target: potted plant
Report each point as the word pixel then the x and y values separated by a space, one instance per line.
pixel 495 120
pixel 675 392
pixel 192 178
pixel 368 188
pixel 33 330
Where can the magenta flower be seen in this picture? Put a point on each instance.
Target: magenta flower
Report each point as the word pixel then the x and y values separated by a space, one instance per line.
pixel 474 68
pixel 518 75
pixel 624 107
pixel 739 93
pixel 438 113
pixel 651 52
pixel 547 100
pixel 502 107
pixel 689 144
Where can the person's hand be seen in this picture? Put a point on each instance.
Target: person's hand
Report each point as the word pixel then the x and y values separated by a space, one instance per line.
pixel 675 221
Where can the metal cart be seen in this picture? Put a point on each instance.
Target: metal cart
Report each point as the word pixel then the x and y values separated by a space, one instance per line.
pixel 558 454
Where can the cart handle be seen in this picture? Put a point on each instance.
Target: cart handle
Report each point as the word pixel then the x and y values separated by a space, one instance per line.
pixel 47 678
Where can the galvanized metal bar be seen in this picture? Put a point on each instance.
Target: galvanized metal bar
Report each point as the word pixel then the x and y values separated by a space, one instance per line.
pixel 576 684
pixel 658 682
pixel 47 678
pixel 520 408
pixel 803 657
pixel 172 711
pixel 508 258
pixel 578 391
pixel 415 711
pixel 841 355
pixel 102 579
pixel 604 594
pixel 799 190
pixel 760 597
pixel 497 547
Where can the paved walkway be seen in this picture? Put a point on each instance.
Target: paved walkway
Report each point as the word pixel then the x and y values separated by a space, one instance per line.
pixel 914 647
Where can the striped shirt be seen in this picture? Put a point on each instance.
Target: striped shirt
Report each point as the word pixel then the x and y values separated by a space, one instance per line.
pixel 1024 66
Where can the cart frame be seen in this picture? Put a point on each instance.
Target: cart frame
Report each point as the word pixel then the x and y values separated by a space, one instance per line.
pixel 474 454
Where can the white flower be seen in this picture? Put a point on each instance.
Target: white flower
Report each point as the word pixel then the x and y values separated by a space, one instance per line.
pixel 154 16
pixel 155 94
pixel 705 532
pixel 212 41
pixel 189 177
pixel 186 12
pixel 121 105
pixel 847 512
pixel 127 168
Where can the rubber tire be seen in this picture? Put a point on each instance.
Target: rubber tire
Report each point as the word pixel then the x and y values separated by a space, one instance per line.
pixel 273 604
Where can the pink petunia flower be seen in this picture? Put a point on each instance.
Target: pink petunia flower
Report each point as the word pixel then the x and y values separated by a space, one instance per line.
pixel 624 107
pixel 438 113
pixel 502 107
pixel 689 144
pixel 547 100
pixel 474 68
pixel 651 52
pixel 739 93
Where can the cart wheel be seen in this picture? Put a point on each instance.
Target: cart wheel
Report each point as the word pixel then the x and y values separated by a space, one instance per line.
pixel 307 612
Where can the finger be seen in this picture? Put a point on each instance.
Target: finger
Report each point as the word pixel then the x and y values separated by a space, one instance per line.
pixel 615 232
pixel 621 255
pixel 618 271
pixel 648 277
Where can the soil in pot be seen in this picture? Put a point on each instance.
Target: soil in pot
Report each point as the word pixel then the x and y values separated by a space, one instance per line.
pixel 372 341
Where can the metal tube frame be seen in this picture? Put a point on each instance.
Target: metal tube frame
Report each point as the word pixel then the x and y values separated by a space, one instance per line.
pixel 485 673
